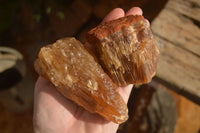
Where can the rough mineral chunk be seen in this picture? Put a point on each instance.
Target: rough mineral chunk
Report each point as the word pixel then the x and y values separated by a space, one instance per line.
pixel 126 49
pixel 77 76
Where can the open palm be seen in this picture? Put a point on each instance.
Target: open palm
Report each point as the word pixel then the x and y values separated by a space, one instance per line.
pixel 54 113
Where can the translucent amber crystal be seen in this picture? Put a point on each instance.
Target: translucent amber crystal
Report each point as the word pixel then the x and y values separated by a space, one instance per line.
pixel 77 76
pixel 126 49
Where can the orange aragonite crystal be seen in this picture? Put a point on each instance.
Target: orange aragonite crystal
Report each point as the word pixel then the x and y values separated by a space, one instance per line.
pixel 126 49
pixel 77 76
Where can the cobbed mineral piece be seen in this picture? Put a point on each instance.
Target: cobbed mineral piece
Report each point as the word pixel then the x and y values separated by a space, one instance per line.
pixel 77 76
pixel 126 49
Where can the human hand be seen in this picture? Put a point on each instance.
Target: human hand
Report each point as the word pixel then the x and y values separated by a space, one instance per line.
pixel 53 113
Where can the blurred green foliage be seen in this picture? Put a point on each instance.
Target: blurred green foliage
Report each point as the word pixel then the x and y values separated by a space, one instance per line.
pixel 9 8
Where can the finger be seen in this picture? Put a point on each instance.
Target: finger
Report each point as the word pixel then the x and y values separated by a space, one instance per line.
pixel 46 93
pixel 41 83
pixel 45 86
pixel 114 14
pixel 125 92
pixel 134 11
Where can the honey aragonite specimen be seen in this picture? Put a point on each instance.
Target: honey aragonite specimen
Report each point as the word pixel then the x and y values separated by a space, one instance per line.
pixel 77 76
pixel 126 49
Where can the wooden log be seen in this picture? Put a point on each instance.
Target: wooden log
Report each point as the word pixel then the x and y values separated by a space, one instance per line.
pixel 177 30
pixel 188 115
pixel 190 8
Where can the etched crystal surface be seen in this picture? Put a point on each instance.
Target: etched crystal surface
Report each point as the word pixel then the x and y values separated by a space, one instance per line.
pixel 126 49
pixel 77 76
